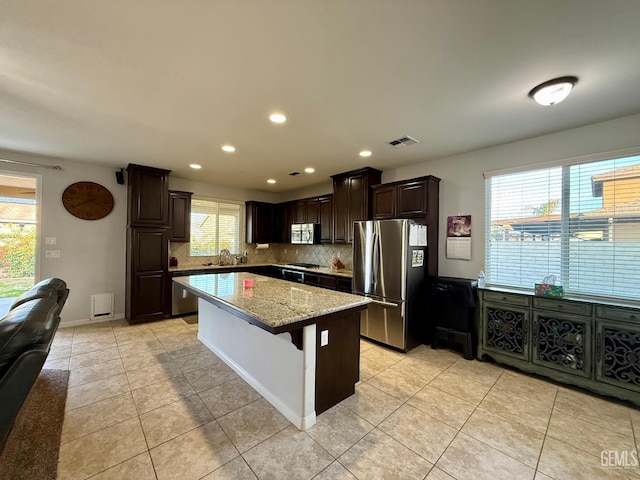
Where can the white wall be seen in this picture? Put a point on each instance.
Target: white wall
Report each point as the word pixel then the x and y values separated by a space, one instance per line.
pixel 92 253
pixel 221 191
pixel 462 189
pixel 317 190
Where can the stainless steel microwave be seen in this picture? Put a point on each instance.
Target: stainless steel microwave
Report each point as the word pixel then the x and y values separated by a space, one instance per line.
pixel 304 233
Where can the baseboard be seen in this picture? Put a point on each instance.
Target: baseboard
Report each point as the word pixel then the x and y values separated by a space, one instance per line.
pixel 87 321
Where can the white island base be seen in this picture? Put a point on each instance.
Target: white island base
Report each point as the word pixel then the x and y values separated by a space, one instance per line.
pixel 284 375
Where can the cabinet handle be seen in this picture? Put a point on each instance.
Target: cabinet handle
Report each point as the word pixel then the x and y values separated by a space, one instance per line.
pixel 598 347
pixel 632 317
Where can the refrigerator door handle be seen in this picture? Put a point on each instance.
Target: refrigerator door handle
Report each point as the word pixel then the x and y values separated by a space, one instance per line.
pixel 386 304
pixel 376 260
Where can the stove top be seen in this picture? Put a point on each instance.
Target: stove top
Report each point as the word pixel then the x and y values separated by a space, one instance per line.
pixel 305 265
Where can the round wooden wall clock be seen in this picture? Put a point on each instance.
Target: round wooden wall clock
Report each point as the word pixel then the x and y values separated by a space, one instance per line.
pixel 87 200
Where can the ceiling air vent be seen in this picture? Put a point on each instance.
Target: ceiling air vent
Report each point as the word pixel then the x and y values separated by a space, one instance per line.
pixel 293 174
pixel 403 142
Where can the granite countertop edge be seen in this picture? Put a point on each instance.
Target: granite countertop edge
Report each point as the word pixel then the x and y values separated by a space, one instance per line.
pixel 270 319
pixel 324 270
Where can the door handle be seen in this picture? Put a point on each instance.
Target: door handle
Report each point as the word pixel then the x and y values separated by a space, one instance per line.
pixel 385 304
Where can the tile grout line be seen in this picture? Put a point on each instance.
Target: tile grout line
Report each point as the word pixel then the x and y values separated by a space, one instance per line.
pixel 404 402
pixel 459 430
pixel 139 424
pixel 164 350
pixel 387 368
pixel 544 439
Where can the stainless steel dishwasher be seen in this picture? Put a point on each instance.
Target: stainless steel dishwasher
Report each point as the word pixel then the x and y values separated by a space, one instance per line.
pixel 183 302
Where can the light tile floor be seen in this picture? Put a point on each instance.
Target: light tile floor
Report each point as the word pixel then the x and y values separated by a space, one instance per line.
pixel 151 402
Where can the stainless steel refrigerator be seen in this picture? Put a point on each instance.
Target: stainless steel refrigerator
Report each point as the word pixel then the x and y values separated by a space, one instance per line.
pixel 389 266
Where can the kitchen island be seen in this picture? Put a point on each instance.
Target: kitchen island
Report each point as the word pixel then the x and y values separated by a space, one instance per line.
pixel 297 345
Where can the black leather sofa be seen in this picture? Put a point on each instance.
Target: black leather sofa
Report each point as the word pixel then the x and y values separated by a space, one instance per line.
pixel 26 333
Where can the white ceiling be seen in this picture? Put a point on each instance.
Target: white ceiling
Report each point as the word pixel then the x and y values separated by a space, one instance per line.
pixel 165 83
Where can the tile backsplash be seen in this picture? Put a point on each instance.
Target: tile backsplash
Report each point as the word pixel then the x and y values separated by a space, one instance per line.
pixel 276 253
pixel 319 254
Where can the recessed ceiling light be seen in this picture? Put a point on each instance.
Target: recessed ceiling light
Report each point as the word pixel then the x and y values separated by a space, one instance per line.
pixel 229 148
pixel 195 166
pixel 554 91
pixel 309 170
pixel 366 153
pixel 271 180
pixel 277 118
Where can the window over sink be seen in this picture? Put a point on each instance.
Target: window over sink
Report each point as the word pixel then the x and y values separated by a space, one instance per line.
pixel 215 225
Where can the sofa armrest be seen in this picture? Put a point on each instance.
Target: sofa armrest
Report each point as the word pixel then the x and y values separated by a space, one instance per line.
pixel 16 384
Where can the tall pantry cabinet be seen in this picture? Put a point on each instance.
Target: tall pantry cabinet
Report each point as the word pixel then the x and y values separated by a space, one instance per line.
pixel 352 200
pixel 148 285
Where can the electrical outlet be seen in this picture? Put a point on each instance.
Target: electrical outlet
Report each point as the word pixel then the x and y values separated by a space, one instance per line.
pixel 50 240
pixel 285 250
pixel 338 254
pixel 296 251
pixel 52 254
pixel 324 338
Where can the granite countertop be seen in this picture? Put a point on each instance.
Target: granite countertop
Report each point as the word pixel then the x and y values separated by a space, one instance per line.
pixel 214 267
pixel 324 270
pixel 276 305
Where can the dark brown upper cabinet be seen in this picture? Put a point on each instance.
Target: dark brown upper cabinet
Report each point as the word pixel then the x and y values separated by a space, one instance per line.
pixel 352 200
pixel 384 201
pixel 180 216
pixel 306 211
pixel 260 222
pixel 417 198
pixel 284 213
pixel 147 193
pixel 325 211
pixel 413 198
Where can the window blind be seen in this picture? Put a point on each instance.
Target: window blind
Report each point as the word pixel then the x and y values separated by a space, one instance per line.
pixel 579 223
pixel 214 226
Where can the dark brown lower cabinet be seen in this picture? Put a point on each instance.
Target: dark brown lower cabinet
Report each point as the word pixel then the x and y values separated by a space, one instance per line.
pixel 343 284
pixel 338 362
pixel 148 281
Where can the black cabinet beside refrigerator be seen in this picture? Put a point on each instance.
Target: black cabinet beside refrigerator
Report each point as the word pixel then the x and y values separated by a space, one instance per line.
pixel 452 318
pixel 390 267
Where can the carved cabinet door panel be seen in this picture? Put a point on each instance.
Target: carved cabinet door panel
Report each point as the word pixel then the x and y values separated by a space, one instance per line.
pixel 618 353
pixel 562 342
pixel 506 330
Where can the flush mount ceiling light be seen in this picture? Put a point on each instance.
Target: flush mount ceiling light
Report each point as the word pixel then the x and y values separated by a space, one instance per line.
pixel 271 181
pixel 554 91
pixel 309 170
pixel 366 153
pixel 277 118
pixel 229 148
pixel 195 166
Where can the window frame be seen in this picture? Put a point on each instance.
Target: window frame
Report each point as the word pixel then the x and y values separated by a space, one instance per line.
pixel 565 216
pixel 241 229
